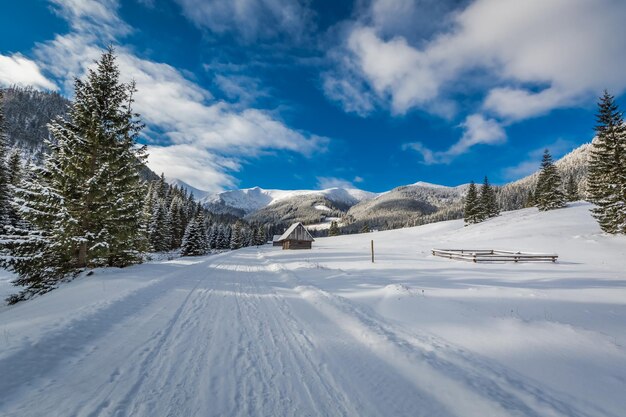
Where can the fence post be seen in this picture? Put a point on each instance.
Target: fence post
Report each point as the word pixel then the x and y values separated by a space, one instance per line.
pixel 372 245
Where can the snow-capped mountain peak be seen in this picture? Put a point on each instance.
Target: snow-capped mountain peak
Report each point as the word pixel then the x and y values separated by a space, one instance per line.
pixel 249 200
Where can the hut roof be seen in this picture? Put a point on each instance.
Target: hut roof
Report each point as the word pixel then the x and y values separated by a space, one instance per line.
pixel 276 238
pixel 297 231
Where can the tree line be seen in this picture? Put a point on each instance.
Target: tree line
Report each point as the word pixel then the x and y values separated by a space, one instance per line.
pixel 85 205
pixel 606 178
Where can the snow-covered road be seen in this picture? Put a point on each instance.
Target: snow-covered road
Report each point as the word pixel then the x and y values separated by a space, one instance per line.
pixel 261 332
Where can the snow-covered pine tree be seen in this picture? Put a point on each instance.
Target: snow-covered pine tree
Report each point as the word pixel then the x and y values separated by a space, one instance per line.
pixel 247 237
pixel 228 234
pixel 606 183
pixel 572 189
pixel 212 236
pixel 236 238
pixel 472 212
pixel 334 229
pixel 94 167
pixel 530 199
pixel 261 235
pixel 194 242
pixel 159 228
pixel 177 222
pixel 4 176
pixel 28 248
pixel 548 194
pixel 488 203
pixel 14 176
pixel 223 240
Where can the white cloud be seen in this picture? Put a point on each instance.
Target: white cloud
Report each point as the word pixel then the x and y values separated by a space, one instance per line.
pixel 17 69
pixel 96 16
pixel 242 89
pixel 349 92
pixel 530 57
pixel 477 131
pixel 196 166
pixel 249 19
pixel 324 183
pixel 208 139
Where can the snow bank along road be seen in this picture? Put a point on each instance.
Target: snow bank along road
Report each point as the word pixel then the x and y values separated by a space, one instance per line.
pixel 262 332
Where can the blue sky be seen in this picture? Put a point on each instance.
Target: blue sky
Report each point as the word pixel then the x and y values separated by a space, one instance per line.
pixel 313 94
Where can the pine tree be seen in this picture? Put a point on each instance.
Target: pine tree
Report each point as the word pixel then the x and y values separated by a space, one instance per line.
pixel 334 229
pixel 472 212
pixel 488 202
pixel 548 194
pixel 177 222
pixel 261 237
pixel 530 199
pixel 93 168
pixel 572 189
pixel 223 237
pixel 213 236
pixel 159 230
pixel 28 248
pixel 606 184
pixel 4 177
pixel 236 238
pixel 195 239
pixel 14 176
pixel 84 206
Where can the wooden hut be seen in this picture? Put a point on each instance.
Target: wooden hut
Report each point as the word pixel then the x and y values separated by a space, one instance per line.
pixel 276 241
pixel 296 237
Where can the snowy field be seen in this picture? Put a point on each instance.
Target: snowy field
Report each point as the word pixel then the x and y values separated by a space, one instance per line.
pixel 266 332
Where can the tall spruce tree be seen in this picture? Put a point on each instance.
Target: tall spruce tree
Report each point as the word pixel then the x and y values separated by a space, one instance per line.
pixel 472 212
pixel 530 199
pixel 606 183
pixel 334 229
pixel 488 202
pixel 83 207
pixel 261 237
pixel 15 171
pixel 548 194
pixel 571 189
pixel 4 175
pixel 236 237
pixel 28 247
pixel 159 229
pixel 195 239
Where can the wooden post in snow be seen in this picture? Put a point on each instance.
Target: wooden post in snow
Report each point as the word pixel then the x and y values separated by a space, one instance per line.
pixel 372 251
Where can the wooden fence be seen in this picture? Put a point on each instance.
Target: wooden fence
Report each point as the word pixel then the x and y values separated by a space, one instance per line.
pixel 491 255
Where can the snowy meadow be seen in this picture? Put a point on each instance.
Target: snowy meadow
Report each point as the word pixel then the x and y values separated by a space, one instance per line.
pixel 261 331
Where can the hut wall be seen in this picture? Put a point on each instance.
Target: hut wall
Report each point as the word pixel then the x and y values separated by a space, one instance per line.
pixel 297 244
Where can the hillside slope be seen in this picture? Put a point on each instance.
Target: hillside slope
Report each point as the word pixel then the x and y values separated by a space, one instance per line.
pixel 261 331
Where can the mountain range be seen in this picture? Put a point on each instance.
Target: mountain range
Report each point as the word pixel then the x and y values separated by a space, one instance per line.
pixel 406 205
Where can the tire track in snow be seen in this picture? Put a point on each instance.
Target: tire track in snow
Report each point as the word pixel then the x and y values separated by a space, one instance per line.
pixel 78 339
pixel 131 401
pixel 366 383
pixel 473 386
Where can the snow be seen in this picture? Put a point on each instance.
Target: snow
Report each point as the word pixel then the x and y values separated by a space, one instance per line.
pixel 197 193
pixel 325 225
pixel 6 288
pixel 321 207
pixel 429 185
pixel 252 199
pixel 261 331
